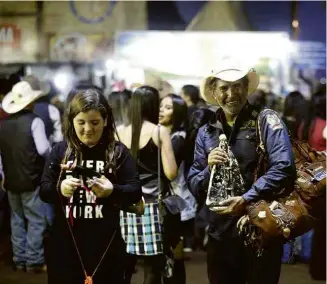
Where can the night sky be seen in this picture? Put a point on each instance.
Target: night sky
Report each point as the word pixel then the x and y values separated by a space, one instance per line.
pixel 262 16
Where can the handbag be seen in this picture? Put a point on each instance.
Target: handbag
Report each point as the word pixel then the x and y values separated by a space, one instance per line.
pixel 289 215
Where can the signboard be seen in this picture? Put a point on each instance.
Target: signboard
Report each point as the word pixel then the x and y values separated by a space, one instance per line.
pixel 80 47
pixel 9 35
pixel 18 39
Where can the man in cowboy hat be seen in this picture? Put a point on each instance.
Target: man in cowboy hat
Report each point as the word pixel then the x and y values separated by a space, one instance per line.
pixel 23 146
pixel 228 260
pixel 49 113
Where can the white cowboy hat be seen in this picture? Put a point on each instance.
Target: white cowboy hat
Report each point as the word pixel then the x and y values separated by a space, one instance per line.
pixel 20 96
pixel 230 71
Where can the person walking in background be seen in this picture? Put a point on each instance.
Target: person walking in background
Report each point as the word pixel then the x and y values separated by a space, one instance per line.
pixel 315 124
pixel 191 95
pixel 295 112
pixel 49 113
pixel 173 115
pixel 143 234
pixel 317 140
pixel 24 147
pixel 258 98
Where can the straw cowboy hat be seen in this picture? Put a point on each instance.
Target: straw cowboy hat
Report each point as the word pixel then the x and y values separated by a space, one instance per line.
pixel 229 70
pixel 20 96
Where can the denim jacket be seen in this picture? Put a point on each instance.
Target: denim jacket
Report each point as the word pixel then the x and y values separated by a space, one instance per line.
pixel 243 142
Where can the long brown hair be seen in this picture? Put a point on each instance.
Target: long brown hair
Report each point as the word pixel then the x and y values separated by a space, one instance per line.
pixel 84 101
pixel 144 106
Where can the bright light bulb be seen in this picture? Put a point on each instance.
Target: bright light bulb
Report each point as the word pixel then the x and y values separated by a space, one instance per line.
pixel 110 64
pixel 295 24
pixel 61 81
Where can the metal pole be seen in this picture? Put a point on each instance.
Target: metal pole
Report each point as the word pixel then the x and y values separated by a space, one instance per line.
pixel 295 20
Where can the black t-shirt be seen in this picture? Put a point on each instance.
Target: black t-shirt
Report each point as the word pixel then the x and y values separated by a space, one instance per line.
pixel 93 220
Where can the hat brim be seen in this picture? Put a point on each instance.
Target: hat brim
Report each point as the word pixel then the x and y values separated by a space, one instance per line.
pixel 230 76
pixel 10 106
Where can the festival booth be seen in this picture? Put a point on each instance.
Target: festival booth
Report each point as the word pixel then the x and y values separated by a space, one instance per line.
pixel 186 57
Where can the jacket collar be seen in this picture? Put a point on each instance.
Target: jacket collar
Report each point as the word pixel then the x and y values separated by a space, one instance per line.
pixel 248 111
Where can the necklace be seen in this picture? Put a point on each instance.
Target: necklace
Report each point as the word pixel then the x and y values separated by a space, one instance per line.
pixel 88 278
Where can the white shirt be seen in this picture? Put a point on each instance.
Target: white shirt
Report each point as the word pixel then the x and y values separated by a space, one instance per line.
pixel 54 115
pixel 40 139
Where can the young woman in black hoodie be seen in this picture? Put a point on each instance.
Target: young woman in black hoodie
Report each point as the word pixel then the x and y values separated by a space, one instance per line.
pixel 85 243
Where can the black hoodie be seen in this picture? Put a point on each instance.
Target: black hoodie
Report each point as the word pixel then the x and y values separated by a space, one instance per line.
pixel 93 221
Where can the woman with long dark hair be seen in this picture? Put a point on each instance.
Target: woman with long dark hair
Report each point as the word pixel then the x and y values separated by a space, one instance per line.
pixel 143 234
pixel 88 177
pixel 119 102
pixel 173 115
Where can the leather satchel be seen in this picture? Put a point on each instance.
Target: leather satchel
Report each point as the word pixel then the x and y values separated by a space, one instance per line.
pixel 291 215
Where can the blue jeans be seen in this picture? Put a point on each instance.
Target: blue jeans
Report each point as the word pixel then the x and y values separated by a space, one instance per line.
pixel 28 223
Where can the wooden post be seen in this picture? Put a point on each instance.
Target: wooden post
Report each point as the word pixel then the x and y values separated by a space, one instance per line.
pixel 39 31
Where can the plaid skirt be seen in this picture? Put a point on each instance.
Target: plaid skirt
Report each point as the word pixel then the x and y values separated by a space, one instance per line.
pixel 142 234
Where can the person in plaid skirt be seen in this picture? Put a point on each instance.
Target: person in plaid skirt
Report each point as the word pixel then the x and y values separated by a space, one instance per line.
pixel 143 234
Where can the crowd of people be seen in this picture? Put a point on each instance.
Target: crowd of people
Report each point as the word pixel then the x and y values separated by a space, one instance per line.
pixel 140 145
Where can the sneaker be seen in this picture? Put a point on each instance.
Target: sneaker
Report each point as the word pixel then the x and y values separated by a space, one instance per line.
pixel 19 267
pixel 35 269
pixel 188 249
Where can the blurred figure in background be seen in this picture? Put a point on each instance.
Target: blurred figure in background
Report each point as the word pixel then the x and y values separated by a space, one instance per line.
pixel 166 89
pixel 199 118
pixel 295 113
pixel 316 120
pixel 49 113
pixel 258 98
pixel 119 101
pixel 317 140
pixel 5 245
pixel 5 88
pixel 191 95
pixel 23 163
pixel 271 100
